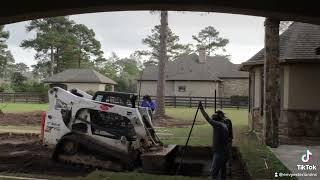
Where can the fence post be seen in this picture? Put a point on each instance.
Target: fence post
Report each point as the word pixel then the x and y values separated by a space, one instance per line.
pixel 175 101
pixel 190 101
pixel 26 97
pixel 14 97
pixel 205 102
pixel 221 105
pixel 42 99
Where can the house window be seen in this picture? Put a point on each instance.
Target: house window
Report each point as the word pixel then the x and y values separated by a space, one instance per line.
pixel 182 88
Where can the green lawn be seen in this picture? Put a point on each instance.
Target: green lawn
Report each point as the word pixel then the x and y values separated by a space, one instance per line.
pixel 202 134
pixel 22 107
pixel 254 153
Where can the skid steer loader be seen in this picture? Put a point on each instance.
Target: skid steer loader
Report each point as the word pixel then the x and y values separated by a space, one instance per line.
pixel 109 131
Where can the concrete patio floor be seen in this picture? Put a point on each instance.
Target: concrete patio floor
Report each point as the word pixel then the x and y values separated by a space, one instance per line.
pixel 290 156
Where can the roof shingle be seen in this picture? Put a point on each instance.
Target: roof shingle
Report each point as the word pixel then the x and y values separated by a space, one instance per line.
pixel 187 68
pixel 298 42
pixel 79 76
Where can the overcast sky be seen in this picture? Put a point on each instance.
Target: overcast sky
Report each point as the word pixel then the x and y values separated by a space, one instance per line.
pixel 122 32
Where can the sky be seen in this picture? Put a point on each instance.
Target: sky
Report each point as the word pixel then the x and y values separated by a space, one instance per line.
pixel 122 32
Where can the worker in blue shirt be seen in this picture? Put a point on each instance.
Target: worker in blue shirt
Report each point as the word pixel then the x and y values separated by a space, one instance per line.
pixel 144 102
pixel 147 102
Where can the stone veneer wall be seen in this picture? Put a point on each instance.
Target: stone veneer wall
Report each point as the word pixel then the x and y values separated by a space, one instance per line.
pixel 302 123
pixel 304 126
pixel 299 127
pixel 255 120
pixel 238 87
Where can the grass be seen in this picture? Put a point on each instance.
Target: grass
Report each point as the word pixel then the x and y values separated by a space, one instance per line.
pixel 202 134
pixel 254 153
pixel 22 107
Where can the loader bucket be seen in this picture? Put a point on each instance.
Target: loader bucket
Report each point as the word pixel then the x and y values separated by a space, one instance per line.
pixel 196 161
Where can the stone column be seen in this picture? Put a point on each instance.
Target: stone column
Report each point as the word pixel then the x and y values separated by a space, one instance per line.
pixel 271 94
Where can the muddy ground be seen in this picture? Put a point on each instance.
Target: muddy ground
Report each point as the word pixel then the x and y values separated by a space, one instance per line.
pixel 23 153
pixel 34 118
pixel 20 119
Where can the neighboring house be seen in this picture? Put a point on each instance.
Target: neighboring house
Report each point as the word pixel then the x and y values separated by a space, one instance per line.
pixel 193 75
pixel 83 79
pixel 299 84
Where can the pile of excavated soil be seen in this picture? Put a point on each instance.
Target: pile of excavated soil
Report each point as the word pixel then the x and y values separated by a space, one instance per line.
pixel 34 118
pixel 17 119
pixel 23 153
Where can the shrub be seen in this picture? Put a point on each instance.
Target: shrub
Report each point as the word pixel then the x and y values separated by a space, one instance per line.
pixel 6 87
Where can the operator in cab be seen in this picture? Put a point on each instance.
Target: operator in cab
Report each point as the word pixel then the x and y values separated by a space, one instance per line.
pixel 147 102
pixel 220 144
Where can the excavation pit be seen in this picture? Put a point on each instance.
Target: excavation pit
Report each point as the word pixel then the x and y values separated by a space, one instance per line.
pixel 25 154
pixel 196 162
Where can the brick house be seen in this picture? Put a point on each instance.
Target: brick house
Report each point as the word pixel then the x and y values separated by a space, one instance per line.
pixel 299 85
pixel 83 79
pixel 193 75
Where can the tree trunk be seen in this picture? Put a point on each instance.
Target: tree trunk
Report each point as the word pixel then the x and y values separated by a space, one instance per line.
pixel 271 101
pixel 160 112
pixel 79 60
pixel 52 61
pixel 58 69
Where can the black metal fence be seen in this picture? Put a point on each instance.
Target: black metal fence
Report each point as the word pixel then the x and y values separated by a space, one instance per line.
pixel 221 102
pixel 23 97
pixel 172 101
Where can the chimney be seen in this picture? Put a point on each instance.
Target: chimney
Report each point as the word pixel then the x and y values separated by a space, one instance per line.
pixel 202 55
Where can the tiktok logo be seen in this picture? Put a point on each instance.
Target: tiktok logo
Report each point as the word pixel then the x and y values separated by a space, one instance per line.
pixel 306 157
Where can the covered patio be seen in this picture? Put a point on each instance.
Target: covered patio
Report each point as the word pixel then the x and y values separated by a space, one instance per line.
pixel 274 11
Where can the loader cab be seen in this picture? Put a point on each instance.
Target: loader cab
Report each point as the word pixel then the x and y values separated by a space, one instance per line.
pixel 119 98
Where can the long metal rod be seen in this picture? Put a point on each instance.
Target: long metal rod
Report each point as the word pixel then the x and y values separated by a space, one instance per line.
pixel 140 87
pixel 215 101
pixel 187 142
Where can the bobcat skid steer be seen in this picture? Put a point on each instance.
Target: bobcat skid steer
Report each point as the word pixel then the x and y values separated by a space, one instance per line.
pixel 105 131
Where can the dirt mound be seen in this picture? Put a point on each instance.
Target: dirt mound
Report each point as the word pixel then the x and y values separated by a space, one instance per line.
pixel 30 118
pixel 23 153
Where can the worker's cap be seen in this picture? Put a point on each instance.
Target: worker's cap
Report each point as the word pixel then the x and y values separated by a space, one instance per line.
pixel 220 112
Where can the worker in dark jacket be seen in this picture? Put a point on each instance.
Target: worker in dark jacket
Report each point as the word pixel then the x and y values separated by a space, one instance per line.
pixel 228 123
pixel 220 144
